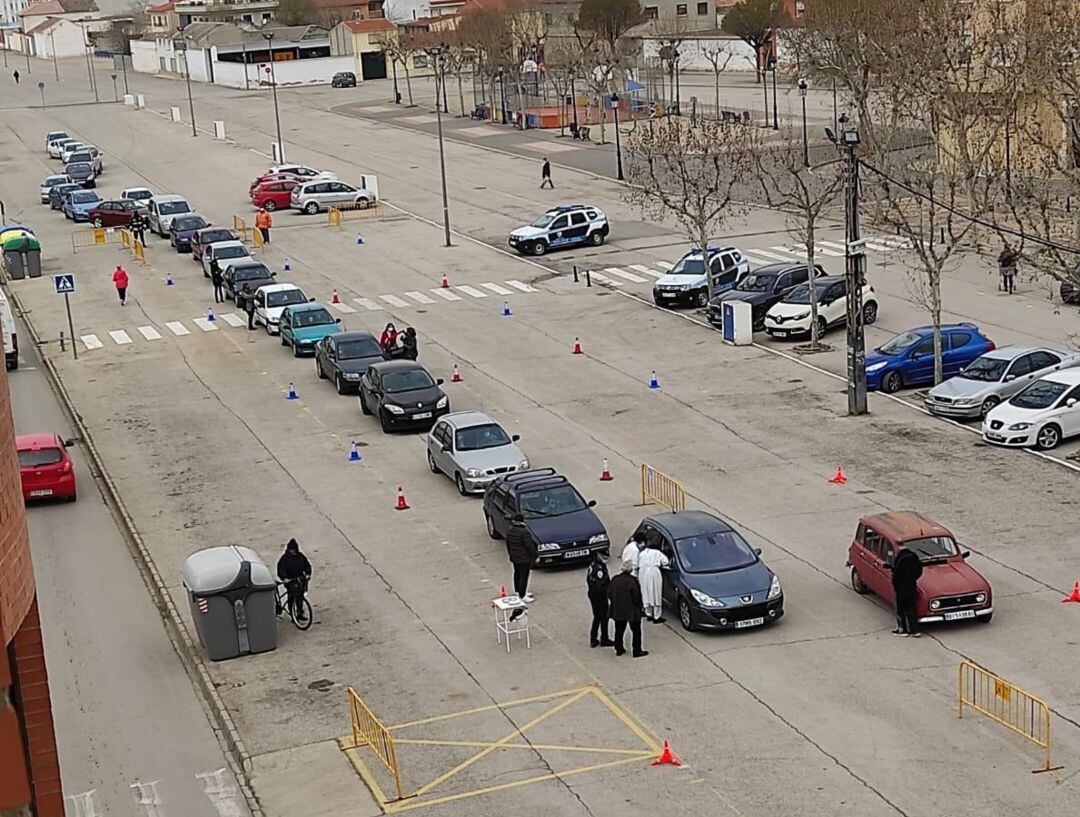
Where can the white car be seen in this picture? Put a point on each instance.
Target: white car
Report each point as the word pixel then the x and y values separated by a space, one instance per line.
pixel 227 253
pixel 142 195
pixel 270 302
pixel 685 283
pixel 163 209
pixel 791 316
pixel 69 148
pixel 56 146
pixel 303 171
pixel 50 182
pixel 1042 415
pixel 54 136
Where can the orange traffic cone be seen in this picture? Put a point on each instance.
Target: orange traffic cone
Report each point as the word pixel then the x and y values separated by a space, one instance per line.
pixel 605 475
pixel 401 505
pixel 667 758
pixel 1074 595
pixel 838 478
pixel 335 299
pixel 457 375
pixel 577 347
pixel 445 282
pixel 502 591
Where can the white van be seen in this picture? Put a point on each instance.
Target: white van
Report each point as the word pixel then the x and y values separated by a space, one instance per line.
pixel 11 337
pixel 162 211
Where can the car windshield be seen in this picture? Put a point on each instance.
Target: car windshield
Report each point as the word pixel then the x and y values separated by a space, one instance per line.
pixel 193 223
pixel 80 156
pixel 313 317
pixel 1039 395
pixel 986 369
pixel 210 236
pixel 139 195
pixel 714 552
pixel 801 294
pixel 86 197
pixel 489 435
pixel 544 220
pixel 899 343
pixel 56 181
pixel 61 189
pixel 78 169
pixel 933 547
pixel 285 297
pixel 555 501
pixel 408 380
pixel 230 252
pixel 688 265
pixel 254 272
pixel 757 283
pixel 43 456
pixel 359 348
pixel 167 208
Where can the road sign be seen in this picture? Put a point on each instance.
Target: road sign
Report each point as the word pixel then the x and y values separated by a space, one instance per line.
pixel 64 284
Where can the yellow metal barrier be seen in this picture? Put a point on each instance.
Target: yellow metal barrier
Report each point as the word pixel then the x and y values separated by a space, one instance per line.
pixel 367 729
pixel 333 218
pixel 140 251
pixel 94 237
pixel 125 237
pixel 1006 704
pixel 240 227
pixel 347 212
pixel 658 487
pixel 257 237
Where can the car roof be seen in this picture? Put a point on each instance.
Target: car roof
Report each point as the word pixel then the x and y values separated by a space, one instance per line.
pixel 567 208
pixel 56 176
pixel 308 306
pixel 535 479
pixel 1070 377
pixel 168 197
pixel 780 267
pixel 945 327
pixel 1011 351
pixel 687 523
pixel 136 190
pixel 277 288
pixel 467 419
pixel 827 280
pixel 344 337
pixel 902 526
pixel 397 366
pixel 33 442
pixel 223 244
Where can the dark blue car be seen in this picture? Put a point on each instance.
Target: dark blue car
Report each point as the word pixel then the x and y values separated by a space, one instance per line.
pixel 183 228
pixel 715 580
pixel 908 359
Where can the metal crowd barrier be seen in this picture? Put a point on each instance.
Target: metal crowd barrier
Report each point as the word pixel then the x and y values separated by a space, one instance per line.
pixel 368 730
pixel 658 487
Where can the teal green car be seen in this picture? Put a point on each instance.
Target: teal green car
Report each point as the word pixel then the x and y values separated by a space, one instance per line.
pixel 304 325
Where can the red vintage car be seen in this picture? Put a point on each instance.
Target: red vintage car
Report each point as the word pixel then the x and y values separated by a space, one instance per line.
pixel 273 195
pixel 117 213
pixel 45 467
pixel 949 589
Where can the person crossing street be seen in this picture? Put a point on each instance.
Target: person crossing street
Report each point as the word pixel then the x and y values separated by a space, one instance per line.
pixel 120 281
pixel 218 280
pixel 545 175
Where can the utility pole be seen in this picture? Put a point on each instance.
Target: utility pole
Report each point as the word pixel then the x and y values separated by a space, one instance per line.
pixel 436 53
pixel 855 274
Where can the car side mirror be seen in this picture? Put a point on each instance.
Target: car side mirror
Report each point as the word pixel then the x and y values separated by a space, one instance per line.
pixel 757 551
pixel 439 382
pixel 69 443
pixel 515 437
pixel 311 300
pixel 1009 377
pixel 592 503
pixel 964 554
pixel 1070 402
pixel 337 320
pixel 518 518
pixel 446 448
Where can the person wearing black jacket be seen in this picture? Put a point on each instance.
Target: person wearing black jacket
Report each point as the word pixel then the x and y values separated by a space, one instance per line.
pixel 597 580
pixel 294 569
pixel 906 570
pixel 521 549
pixel 624 598
pixel 138 227
pixel 408 344
pixel 218 280
pixel 249 303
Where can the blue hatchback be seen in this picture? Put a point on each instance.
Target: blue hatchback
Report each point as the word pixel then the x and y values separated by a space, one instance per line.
pixel 908 359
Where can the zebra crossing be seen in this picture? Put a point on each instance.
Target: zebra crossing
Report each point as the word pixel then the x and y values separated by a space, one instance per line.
pixel 435 295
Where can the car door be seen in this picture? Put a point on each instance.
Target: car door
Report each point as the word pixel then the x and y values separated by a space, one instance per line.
pixel 875 575
pixel 1019 374
pixel 558 230
pixel 955 352
pixel 446 453
pixel 579 226
pixel 260 306
pixel 153 218
pixel 920 368
pixel 833 305
pixel 1043 363
pixel 1070 415
pixel 342 193
pixel 725 271
pixel 435 443
pixel 285 326
pixel 670 575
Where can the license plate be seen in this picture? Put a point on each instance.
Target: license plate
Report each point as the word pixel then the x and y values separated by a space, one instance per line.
pixel 780 333
pixel 668 294
pixel 996 437
pixel 574 554
pixel 750 622
pixel 960 614
pixel 42 492
pixel 423 415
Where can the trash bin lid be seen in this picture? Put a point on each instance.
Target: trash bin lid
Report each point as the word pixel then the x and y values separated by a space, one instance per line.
pixel 216 569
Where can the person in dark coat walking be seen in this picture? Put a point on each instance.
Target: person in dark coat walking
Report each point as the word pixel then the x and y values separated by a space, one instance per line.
pixel 624 598
pixel 249 304
pixel 545 175
pixel 1007 261
pixel 138 228
pixel 906 570
pixel 16 75
pixel 294 569
pixel 597 581
pixel 521 549
pixel 218 280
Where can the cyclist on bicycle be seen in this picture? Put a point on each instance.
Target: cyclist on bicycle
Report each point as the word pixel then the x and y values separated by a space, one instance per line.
pixel 294 569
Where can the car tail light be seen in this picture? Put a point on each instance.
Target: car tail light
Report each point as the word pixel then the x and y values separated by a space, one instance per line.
pixel 66 467
pixel 990 346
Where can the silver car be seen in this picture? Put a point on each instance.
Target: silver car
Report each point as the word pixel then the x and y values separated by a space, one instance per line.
pixel 90 155
pixel 473 450
pixel 50 182
pixel 311 197
pixel 995 377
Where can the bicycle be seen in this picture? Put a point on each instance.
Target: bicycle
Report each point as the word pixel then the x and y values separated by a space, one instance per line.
pixel 283 607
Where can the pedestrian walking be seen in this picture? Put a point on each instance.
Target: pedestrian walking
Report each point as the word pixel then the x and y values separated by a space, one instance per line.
pixel 249 304
pixel 631 552
pixel 120 281
pixel 16 75
pixel 650 561
pixel 521 549
pixel 545 175
pixel 1007 261
pixel 906 570
pixel 217 279
pixel 597 581
pixel 624 600
pixel 263 222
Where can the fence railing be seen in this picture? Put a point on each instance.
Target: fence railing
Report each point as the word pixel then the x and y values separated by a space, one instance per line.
pixel 367 730
pixel 338 213
pixel 658 487
pixel 94 237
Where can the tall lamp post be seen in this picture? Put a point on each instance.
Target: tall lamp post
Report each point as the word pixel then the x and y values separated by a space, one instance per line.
pixel 803 85
pixel 436 52
pixel 765 87
pixel 675 66
pixel 181 45
pixel 502 94
pixel 618 141
pixel 269 37
pixel 775 115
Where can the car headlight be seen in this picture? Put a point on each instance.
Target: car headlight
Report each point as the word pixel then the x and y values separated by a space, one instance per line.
pixel 352 375
pixel 704 599
pixel 774 588
pixel 1019 426
pixel 876 367
pixel 394 409
pixel 965 401
pixel 801 316
pixel 547 547
pixel 598 539
pixel 935 604
pixel 442 402
pixel 523 465
pixel 473 473
pixel 980 598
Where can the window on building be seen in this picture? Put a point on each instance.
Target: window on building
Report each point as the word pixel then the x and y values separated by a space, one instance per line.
pixel 420 61
pixel 652 13
pixel 680 10
pixel 800 9
pixel 702 9
pixel 246 18
pixel 267 16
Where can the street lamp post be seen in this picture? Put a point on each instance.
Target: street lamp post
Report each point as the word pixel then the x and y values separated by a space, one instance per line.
pixel 803 85
pixel 115 92
pixel 573 101
pixel 775 116
pixel 855 273
pixel 765 89
pixel 269 37
pixel 436 52
pixel 181 45
pixel 41 87
pixel 393 67
pixel 678 94
pixel 123 64
pixel 502 94
pixel 618 141
pixel 52 42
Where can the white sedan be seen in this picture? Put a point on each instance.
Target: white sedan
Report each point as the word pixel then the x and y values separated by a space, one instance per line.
pixel 791 316
pixel 1042 415
pixel 226 253
pixel 270 302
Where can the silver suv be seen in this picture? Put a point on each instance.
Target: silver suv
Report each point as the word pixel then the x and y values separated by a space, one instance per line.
pixel 473 450
pixel 163 209
pixel 311 197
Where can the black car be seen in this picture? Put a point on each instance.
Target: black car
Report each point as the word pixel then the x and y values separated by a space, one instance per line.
pixel 83 173
pixel 562 524
pixel 345 357
pixel 252 273
pixel 402 394
pixel 343 79
pixel 715 579
pixel 57 194
pixel 761 289
pixel 182 229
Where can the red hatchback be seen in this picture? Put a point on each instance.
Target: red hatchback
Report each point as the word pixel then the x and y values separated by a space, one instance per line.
pixel 267 178
pixel 949 589
pixel 45 467
pixel 113 213
pixel 273 195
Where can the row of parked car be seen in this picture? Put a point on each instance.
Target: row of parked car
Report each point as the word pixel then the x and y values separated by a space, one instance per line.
pixel 302 188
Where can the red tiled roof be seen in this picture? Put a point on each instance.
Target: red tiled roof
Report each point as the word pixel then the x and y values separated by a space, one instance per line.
pixel 369 26
pixel 163 8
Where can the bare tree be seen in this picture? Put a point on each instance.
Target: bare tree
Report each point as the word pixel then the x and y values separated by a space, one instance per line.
pixel 485 31
pixel 601 29
pixel 718 55
pixel 753 22
pixel 562 65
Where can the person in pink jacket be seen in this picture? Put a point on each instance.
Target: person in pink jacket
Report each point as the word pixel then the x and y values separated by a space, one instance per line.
pixel 120 281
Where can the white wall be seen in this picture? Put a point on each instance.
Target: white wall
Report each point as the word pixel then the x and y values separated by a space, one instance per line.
pixel 291 72
pixel 67 37
pixel 692 53
pixel 144 57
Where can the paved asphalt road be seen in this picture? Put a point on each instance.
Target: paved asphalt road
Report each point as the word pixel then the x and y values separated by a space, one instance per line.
pixel 206 450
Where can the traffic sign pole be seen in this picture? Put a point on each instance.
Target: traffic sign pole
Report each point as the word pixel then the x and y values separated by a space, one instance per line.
pixel 71 327
pixel 64 284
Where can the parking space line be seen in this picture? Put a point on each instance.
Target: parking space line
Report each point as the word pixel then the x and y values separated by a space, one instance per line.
pixel 205 324
pixel 420 297
pixel 471 291
pixel 367 303
pixel 177 328
pixel 498 290
pixel 232 319
pixel 834 245
pixel 522 286
pixel 794 253
pixel 629 276
pixel 394 300
pixel 758 261
pixel 445 294
pixel 120 337
pixel 646 270
pixel 343 308
pixel 91 342
pixel 149 332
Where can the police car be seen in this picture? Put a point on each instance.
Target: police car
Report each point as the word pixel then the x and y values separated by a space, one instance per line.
pixel 686 285
pixel 563 226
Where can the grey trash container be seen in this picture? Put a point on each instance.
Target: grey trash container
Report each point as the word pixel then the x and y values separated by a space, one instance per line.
pixel 232 595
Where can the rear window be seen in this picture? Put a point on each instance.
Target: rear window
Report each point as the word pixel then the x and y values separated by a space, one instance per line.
pixel 230 252
pixel 315 317
pixel 43 456
pixel 84 198
pixel 256 272
pixel 170 207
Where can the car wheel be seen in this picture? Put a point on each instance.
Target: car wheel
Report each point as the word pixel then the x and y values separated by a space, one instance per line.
pixel 494 534
pixel 269 205
pixel 283 341
pixel 892 382
pixel 339 384
pixel 869 312
pixel 857 583
pixel 384 422
pixel 988 404
pixel 295 350
pixel 363 404
pixel 822 326
pixel 703 298
pixel 99 222
pixel 539 247
pixel 460 483
pixel 1048 437
pixel 685 616
pixel 75 495
pixel 431 462
pixel 311 208
pixel 319 373
pixel 362 204
pixel 596 239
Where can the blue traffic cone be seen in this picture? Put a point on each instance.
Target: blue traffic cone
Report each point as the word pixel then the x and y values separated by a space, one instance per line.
pixel 168 280
pixel 287 266
pixel 359 240
pixel 653 382
pixel 210 315
pixel 292 395
pixel 506 309
pixel 354 455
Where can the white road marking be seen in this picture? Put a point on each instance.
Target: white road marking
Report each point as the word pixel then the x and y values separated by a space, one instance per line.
pixel 895 241
pixel 91 342
pixel 603 279
pixel 873 245
pixel 367 303
pixel 795 253
pixel 232 319
pixel 522 286
pixel 394 300
pixel 819 250
pixel 445 294
pixel 646 270
pixel 120 337
pixel 420 297
pixel 664 265
pixel 177 328
pixel 475 293
pixel 498 290
pixel 756 261
pixel 343 308
pixel 771 255
pixel 149 332
pixel 834 245
pixel 629 276
pixel 205 324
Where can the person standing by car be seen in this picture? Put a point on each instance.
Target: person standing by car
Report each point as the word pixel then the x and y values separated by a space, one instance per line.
pixel 906 571
pixel 249 304
pixel 545 175
pixel 138 227
pixel 624 598
pixel 408 344
pixel 597 581
pixel 631 552
pixel 263 223
pixel 521 549
pixel 652 582
pixel 294 569
pixel 388 338
pixel 218 280
pixel 120 281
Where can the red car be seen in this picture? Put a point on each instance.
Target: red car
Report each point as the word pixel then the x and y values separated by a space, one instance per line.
pixel 45 467
pixel 113 213
pixel 949 589
pixel 266 178
pixel 273 195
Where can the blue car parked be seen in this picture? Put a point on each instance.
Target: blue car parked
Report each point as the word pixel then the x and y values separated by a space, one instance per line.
pixel 79 203
pixel 908 359
pixel 304 325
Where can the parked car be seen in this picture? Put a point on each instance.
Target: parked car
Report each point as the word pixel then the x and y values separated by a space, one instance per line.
pixel 10 334
pixel 343 79
pixel 401 394
pixel 82 173
pixel 790 317
pixel 201 239
pixel 1041 416
pixel 311 197
pixel 274 195
pixel 996 376
pixel 762 289
pixel 113 213
pixel 563 226
pixel 49 182
pixel 140 195
pixel 685 283
pixel 226 252
pixel 304 325
pixel 270 302
pixel 247 271
pixel 67 148
pixel 183 228
pixel 908 358
pixel 950 589
pixel 268 178
pixel 45 467
pixel 161 210
pixel 473 450
pixel 79 203
pixel 560 521
pixel 58 194
pixel 344 358
pixel 54 136
pixel 716 580
pixel 56 147
pixel 302 171
pixel 90 155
